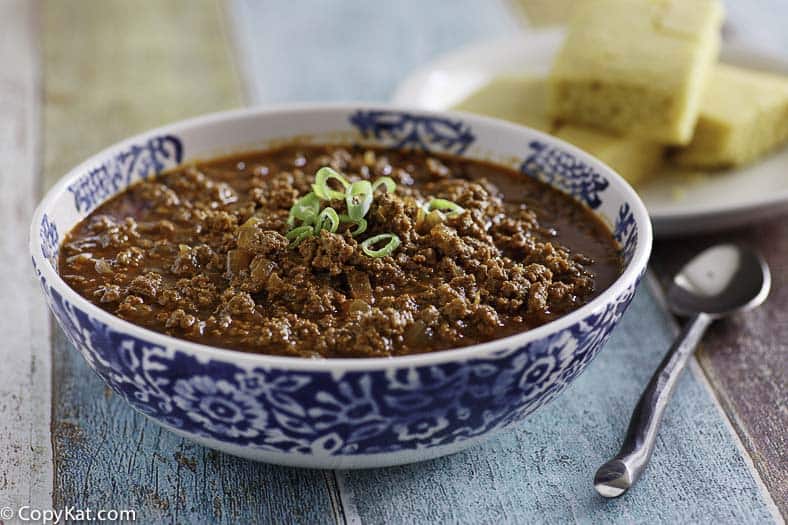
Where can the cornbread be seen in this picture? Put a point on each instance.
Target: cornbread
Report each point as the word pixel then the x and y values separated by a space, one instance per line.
pixel 636 67
pixel 633 158
pixel 522 99
pixel 517 98
pixel 744 114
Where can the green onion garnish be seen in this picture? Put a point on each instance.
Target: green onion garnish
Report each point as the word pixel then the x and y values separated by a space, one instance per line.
pixel 388 182
pixel 327 220
pixel 296 235
pixel 391 245
pixel 361 224
pixel 305 209
pixel 321 187
pixel 358 199
pixel 451 208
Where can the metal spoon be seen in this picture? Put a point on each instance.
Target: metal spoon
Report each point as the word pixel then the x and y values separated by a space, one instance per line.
pixel 718 282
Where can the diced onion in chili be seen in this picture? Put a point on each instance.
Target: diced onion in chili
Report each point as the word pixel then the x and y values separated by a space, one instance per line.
pixel 432 219
pixel 420 215
pixel 368 245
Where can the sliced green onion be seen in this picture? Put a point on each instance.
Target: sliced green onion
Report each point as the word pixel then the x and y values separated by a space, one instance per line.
pixel 361 227
pixel 391 245
pixel 296 235
pixel 358 199
pixel 451 208
pixel 361 224
pixel 321 187
pixel 327 220
pixel 304 209
pixel 388 182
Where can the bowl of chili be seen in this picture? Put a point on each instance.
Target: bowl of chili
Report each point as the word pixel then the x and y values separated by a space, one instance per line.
pixel 365 286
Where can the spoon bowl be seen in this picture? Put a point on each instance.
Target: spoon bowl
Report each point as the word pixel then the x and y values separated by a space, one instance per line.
pixel 720 281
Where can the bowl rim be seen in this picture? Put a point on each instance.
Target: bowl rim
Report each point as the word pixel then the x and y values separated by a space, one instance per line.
pixel 629 277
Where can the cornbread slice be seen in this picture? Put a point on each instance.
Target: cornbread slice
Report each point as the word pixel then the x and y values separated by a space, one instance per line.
pixel 636 67
pixel 743 115
pixel 522 99
pixel 633 158
pixel 517 98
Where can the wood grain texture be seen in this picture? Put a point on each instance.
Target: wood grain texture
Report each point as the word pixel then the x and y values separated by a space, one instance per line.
pixel 541 473
pixel 113 68
pixel 111 457
pixel 746 357
pixel 25 450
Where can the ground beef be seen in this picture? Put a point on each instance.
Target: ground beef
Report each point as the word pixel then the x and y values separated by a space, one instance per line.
pixel 201 253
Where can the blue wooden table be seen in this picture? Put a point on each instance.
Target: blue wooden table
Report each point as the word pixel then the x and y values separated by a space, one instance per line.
pixel 71 442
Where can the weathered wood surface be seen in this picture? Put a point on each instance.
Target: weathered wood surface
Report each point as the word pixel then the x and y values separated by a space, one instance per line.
pixel 113 69
pixel 110 457
pixel 746 357
pixel 25 451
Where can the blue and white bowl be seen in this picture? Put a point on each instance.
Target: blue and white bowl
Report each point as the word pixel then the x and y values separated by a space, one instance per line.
pixel 339 413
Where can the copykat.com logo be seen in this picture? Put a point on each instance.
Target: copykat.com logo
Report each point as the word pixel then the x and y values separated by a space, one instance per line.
pixel 28 514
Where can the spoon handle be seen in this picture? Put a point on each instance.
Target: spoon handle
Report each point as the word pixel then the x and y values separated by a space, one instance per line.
pixel 617 475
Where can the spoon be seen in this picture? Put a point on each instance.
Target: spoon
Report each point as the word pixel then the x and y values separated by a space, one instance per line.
pixel 718 282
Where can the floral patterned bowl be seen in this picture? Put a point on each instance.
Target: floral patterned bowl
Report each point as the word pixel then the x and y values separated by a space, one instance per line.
pixel 339 413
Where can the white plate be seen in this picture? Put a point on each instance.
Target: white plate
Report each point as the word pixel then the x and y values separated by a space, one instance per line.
pixel 677 205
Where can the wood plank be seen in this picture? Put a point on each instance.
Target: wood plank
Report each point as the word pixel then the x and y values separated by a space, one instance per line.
pixel 113 68
pixel 746 357
pixel 113 458
pixel 502 481
pixel 542 471
pixel 26 458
